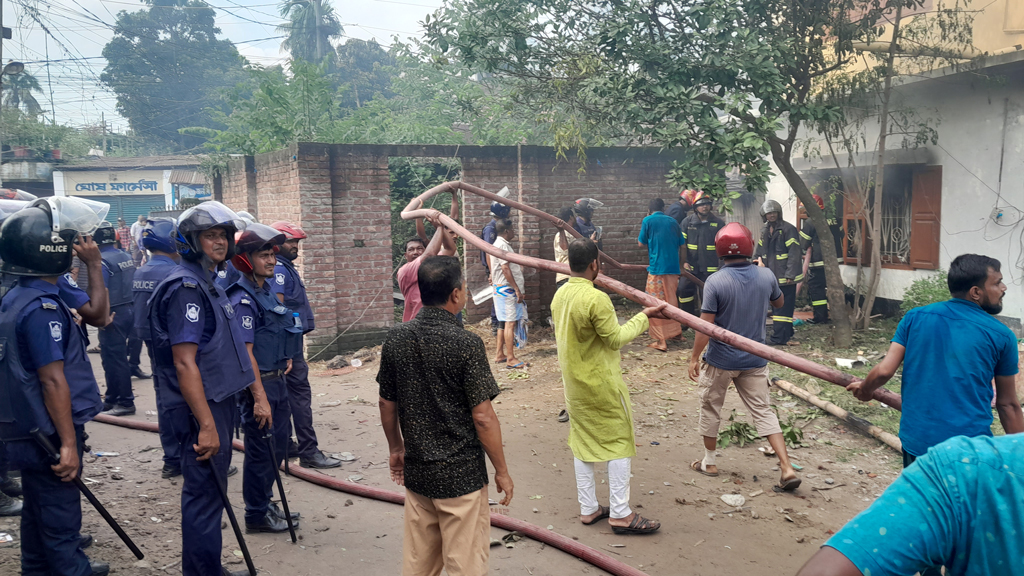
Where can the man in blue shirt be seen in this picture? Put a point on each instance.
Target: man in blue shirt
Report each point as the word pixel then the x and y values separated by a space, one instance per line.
pixel 950 353
pixel 958 506
pixel 660 234
pixel 118 272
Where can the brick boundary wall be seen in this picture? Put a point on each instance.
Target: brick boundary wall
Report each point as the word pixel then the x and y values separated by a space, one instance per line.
pixel 340 195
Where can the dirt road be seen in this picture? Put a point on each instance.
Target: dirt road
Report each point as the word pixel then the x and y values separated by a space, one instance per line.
pixel 701 535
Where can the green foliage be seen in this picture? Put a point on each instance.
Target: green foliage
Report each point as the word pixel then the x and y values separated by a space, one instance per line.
pixel 312 24
pixel 17 93
pixel 738 432
pixel 925 291
pixel 792 433
pixel 165 64
pixel 364 71
pixel 410 177
pixel 22 129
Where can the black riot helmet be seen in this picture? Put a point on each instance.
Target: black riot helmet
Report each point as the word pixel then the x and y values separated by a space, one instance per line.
pixel 30 247
pixel 105 234
pixel 204 216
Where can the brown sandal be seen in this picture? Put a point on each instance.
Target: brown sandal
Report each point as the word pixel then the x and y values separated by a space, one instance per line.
pixel 603 512
pixel 699 467
pixel 639 525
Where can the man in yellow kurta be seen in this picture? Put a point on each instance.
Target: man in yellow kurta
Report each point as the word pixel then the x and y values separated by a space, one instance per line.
pixel 600 416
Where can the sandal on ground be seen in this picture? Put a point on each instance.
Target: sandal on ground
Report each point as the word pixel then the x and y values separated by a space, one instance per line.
pixel 639 525
pixel 500 360
pixel 698 466
pixel 520 365
pixel 788 485
pixel 658 348
pixel 563 416
pixel 603 512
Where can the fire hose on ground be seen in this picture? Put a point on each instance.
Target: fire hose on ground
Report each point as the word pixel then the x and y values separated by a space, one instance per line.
pixel 568 545
pixel 415 210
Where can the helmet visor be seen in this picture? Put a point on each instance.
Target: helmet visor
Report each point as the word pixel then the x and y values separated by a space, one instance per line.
pixel 11 194
pixel 78 214
pixel 209 214
pixel 8 207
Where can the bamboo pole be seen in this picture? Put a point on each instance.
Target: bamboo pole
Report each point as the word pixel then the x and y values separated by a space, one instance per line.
pixel 860 424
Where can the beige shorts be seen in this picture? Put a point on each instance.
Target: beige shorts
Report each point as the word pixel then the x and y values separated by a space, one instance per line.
pixel 752 386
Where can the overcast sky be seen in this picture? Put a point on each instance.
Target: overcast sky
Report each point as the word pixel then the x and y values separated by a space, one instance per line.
pixel 80 28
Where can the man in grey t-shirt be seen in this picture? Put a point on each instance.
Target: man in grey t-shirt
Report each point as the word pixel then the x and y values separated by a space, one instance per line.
pixel 734 298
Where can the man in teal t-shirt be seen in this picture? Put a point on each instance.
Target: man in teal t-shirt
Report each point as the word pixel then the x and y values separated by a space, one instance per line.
pixel 959 506
pixel 660 234
pixel 950 353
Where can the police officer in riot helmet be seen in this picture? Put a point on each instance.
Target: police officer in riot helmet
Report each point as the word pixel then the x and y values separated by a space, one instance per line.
pixel 48 381
pixel 273 338
pixel 118 273
pixel 201 356
pixel 158 238
pixel 228 275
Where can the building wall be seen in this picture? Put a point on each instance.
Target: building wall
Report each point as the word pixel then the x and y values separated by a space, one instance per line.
pixel 339 194
pixel 981 151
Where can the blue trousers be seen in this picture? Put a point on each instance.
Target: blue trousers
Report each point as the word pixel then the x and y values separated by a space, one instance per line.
pixel 51 519
pixel 258 470
pixel 168 437
pixel 114 357
pixel 300 400
pixel 201 505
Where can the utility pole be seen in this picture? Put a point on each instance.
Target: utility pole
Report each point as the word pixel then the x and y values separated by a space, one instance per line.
pixel 103 127
pixel 319 41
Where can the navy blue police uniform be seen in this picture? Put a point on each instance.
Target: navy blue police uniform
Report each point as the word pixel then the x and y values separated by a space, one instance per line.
pixel 37 329
pixel 269 326
pixel 228 276
pixel 118 273
pixel 188 307
pixel 289 284
pixel 145 281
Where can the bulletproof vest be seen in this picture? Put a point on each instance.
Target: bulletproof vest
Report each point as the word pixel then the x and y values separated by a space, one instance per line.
pixel 276 339
pixel 122 269
pixel 7 282
pixel 223 361
pixel 21 397
pixel 145 281
pixel 299 302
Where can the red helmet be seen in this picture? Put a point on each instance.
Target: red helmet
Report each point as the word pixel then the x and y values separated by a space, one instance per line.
pixel 734 239
pixel 256 237
pixel 291 231
pixel 819 201
pixel 688 196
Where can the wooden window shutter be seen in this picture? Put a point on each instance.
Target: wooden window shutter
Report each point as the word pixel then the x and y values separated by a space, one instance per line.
pixel 851 219
pixel 925 218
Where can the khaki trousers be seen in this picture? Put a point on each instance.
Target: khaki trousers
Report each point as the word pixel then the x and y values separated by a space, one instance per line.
pixel 752 386
pixel 449 533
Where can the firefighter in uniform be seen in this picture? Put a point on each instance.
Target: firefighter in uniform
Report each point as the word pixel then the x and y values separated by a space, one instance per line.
pixel 779 250
pixel 699 231
pixel 271 335
pixel 201 357
pixel 158 239
pixel 815 269
pixel 118 273
pixel 46 382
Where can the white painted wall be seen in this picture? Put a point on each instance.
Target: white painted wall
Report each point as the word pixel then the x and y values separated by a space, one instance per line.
pixel 971 135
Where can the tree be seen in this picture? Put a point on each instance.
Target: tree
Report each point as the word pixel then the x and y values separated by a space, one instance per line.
pixel 311 26
pixel 867 95
pixel 166 64
pixel 17 93
pixel 728 81
pixel 364 71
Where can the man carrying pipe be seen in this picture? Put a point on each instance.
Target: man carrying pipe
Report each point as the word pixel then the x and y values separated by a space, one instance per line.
pixel 271 336
pixel 735 299
pixel 48 384
pixel 201 355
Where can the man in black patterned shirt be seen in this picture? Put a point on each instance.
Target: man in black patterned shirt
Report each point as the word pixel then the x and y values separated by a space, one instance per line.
pixel 436 389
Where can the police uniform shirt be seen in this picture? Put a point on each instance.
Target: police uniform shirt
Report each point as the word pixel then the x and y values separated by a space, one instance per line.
pixel 70 293
pixel 42 330
pixel 193 322
pixel 247 315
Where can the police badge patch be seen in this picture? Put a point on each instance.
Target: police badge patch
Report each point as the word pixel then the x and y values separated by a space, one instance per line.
pixel 55 331
pixel 192 312
pixel 247 322
pixel 70 280
pixel 279 277
pixel 222 274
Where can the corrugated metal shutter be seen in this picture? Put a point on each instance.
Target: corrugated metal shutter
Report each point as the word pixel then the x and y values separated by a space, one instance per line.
pixel 113 201
pixel 132 206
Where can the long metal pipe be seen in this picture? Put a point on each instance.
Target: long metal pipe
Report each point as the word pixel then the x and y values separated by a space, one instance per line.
pixel 415 210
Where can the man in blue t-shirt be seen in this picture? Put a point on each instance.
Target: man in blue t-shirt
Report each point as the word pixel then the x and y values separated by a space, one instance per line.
pixel 950 353
pixel 959 506
pixel 660 234
pixel 735 298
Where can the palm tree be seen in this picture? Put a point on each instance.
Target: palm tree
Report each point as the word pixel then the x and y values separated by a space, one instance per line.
pixel 311 26
pixel 17 93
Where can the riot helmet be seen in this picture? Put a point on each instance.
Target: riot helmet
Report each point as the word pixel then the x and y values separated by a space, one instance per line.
pixel 159 235
pixel 30 247
pixel 202 217
pixel 255 238
pixel 105 235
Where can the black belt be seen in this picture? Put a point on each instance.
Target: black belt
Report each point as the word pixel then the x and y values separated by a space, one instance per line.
pixel 272 374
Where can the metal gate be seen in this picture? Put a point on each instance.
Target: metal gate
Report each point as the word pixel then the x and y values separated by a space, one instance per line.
pixel 129 207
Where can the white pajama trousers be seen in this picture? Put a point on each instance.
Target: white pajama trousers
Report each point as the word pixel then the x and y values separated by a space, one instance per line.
pixel 618 487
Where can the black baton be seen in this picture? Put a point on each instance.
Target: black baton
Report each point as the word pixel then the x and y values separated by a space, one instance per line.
pixel 280 486
pixel 222 490
pixel 47 446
